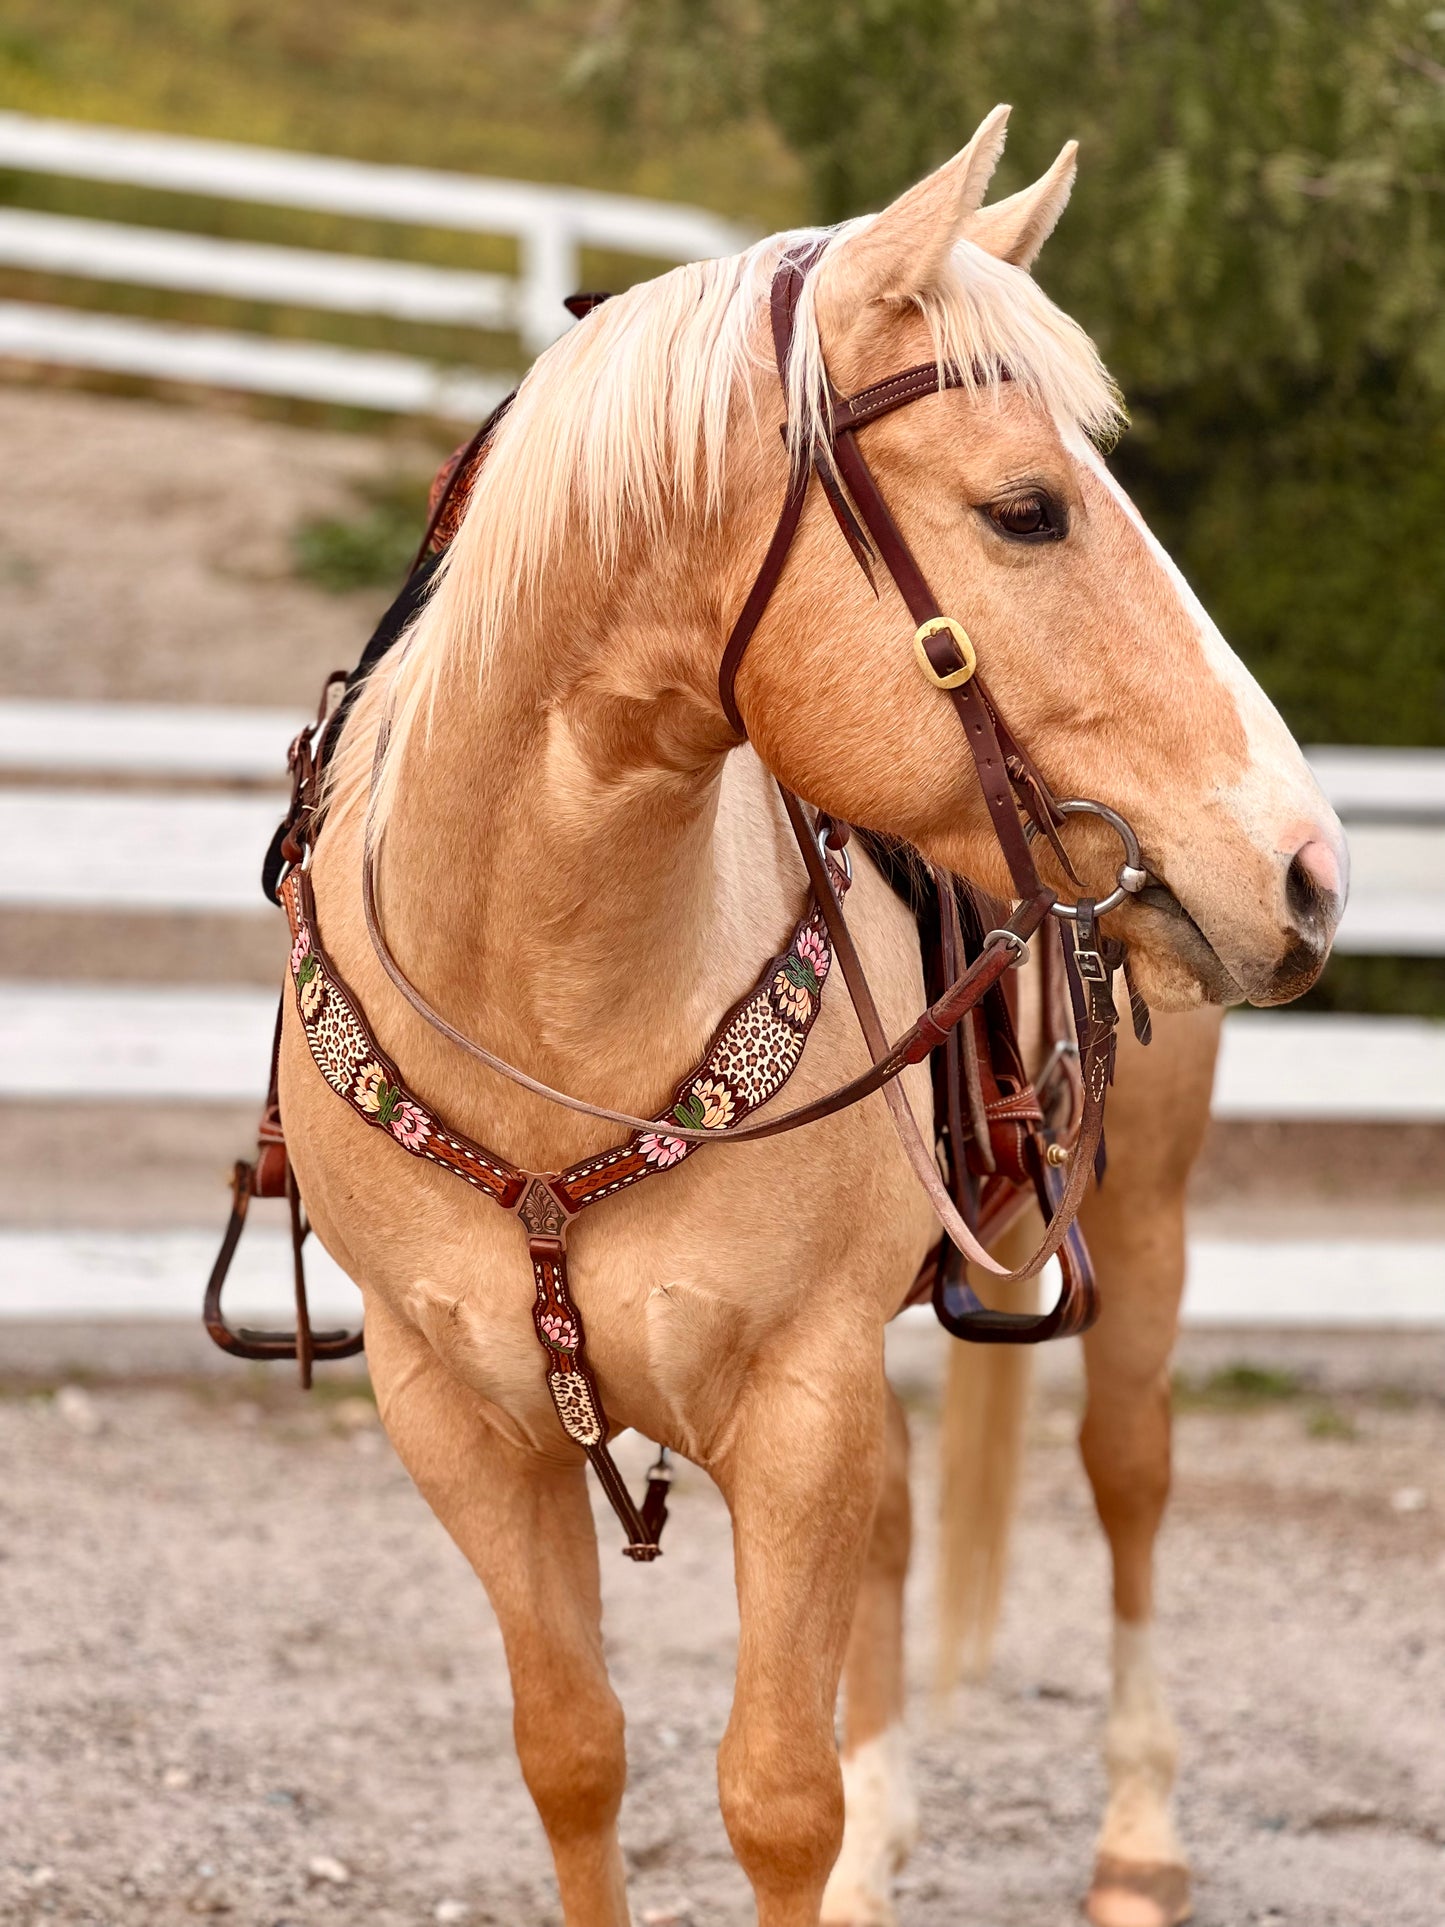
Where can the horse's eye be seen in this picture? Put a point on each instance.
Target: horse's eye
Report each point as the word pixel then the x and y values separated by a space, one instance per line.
pixel 1031 517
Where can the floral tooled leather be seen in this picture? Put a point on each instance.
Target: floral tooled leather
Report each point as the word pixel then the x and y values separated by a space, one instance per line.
pixel 754 1053
pixel 756 1050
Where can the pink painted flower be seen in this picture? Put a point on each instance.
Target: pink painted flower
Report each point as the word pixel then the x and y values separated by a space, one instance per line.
pixel 813 949
pixel 302 945
pixel 559 1331
pixel 410 1125
pixel 661 1150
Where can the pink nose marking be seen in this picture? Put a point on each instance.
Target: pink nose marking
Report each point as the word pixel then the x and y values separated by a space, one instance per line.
pixel 1321 864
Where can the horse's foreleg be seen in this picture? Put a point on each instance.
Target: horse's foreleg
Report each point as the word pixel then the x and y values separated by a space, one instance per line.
pixel 801 1472
pixel 880 1812
pixel 525 1525
pixel 1135 1228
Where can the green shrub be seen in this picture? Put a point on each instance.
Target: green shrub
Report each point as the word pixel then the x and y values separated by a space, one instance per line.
pixel 370 549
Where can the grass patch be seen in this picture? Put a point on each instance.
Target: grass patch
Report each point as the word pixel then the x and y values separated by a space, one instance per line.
pixel 1327 1421
pixel 1237 1387
pixel 371 548
pixel 482 88
pixel 1396 1398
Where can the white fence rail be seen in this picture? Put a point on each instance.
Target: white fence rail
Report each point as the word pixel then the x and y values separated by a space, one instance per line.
pixel 168 851
pixel 130 851
pixel 108 850
pixel 164 852
pixel 1344 1283
pixel 550 225
pixel 222 744
pixel 213 358
pixel 181 1044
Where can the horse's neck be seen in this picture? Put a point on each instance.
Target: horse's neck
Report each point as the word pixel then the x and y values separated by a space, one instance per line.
pixel 568 887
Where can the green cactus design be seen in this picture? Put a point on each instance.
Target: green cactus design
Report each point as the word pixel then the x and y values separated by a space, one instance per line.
pixel 801 973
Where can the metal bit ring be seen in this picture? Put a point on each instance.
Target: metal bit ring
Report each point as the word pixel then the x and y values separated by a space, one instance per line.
pixel 1132 876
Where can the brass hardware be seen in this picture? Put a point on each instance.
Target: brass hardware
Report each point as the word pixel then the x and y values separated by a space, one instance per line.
pixel 1056 1154
pixel 937 626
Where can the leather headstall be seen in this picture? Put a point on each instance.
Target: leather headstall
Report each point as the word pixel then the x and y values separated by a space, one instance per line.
pixel 999 1141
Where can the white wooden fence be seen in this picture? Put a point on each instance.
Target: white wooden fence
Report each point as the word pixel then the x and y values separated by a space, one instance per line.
pixel 550 226
pixel 184 850
pixel 145 850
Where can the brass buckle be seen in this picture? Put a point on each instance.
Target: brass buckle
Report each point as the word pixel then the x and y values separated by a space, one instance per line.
pixel 937 626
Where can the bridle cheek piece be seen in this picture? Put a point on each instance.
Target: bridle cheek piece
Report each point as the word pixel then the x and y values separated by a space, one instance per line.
pixel 1000 1140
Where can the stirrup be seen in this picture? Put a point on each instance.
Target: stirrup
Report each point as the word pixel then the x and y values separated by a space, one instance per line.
pixel 304 1345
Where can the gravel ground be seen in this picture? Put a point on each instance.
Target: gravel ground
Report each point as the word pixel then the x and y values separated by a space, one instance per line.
pixel 248 1676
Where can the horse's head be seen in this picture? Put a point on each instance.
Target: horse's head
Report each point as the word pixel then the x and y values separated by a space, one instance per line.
pixel 1099 656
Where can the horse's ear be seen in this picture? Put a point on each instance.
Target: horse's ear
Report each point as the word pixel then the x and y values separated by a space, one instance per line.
pixel 902 251
pixel 1015 229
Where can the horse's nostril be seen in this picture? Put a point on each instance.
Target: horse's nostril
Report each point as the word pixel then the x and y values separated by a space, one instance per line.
pixel 1312 885
pixel 1321 865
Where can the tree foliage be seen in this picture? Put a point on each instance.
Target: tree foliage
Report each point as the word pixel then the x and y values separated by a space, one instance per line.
pixel 1256 242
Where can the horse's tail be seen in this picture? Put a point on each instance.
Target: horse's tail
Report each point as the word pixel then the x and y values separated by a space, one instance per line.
pixel 981 1445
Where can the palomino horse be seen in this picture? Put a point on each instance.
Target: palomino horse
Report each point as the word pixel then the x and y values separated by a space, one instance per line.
pixel 583 866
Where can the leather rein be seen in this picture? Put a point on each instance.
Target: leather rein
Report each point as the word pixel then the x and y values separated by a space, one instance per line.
pixel 968 1012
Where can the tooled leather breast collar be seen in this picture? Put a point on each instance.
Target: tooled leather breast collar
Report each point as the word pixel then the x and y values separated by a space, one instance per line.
pixel 755 1051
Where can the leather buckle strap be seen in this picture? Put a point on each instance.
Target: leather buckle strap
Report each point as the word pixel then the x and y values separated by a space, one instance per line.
pixel 943 647
pixel 969 698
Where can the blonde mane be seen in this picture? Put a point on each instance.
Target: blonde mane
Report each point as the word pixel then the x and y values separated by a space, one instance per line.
pixel 624 424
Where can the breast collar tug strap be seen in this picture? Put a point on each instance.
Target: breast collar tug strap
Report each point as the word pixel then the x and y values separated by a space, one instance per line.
pixel 715 1104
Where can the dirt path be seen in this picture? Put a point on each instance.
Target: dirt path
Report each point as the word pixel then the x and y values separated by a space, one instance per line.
pixel 237 1648
pixel 146 550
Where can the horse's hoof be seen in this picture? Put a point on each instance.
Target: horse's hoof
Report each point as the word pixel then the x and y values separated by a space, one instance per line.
pixel 1137 1893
